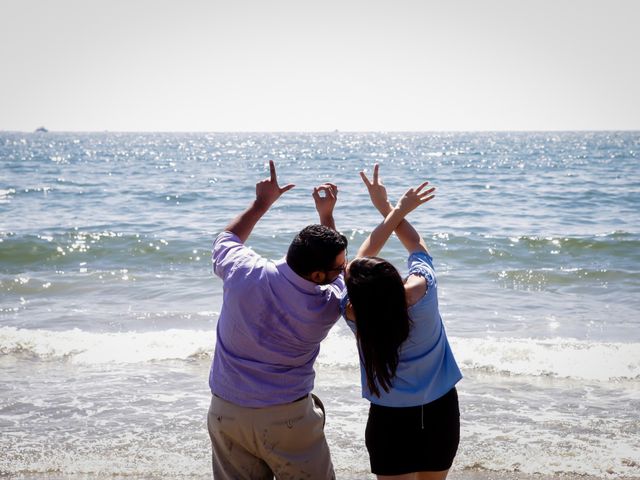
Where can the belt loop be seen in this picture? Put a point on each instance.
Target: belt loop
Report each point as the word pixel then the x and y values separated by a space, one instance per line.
pixel 422 416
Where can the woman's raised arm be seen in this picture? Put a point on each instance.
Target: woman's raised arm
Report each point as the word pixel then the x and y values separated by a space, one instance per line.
pixel 412 199
pixel 408 235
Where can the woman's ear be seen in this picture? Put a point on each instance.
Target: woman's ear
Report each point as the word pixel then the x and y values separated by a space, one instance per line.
pixel 349 312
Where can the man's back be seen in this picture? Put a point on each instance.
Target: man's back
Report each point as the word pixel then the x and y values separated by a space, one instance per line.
pixel 270 327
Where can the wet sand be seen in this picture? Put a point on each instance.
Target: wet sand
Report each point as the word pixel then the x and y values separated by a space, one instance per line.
pixel 453 475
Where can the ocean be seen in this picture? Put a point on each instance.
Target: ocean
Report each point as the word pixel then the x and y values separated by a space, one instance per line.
pixel 108 306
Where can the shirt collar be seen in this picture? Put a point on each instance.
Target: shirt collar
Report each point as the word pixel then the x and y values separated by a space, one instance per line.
pixel 297 280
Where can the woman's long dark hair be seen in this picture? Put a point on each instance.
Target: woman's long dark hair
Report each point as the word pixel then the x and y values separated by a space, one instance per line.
pixel 377 295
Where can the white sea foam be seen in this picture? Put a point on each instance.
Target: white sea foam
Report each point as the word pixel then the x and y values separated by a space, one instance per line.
pixel 6 195
pixel 564 358
pixel 560 358
pixel 339 350
pixel 77 346
pixel 532 450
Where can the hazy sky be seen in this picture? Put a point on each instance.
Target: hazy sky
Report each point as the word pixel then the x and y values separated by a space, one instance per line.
pixel 299 65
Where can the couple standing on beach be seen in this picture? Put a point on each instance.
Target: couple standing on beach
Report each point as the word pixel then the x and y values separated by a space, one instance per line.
pixel 263 420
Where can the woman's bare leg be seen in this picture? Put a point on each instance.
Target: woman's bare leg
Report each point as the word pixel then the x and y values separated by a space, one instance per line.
pixel 431 475
pixel 406 476
pixel 416 476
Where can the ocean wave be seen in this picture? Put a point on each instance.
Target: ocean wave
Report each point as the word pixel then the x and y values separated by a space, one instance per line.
pixel 616 251
pixel 29 251
pixel 6 195
pixel 82 347
pixel 537 279
pixel 559 358
pixel 534 247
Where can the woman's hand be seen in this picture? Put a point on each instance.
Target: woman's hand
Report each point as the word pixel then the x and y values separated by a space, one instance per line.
pixel 414 197
pixel 377 191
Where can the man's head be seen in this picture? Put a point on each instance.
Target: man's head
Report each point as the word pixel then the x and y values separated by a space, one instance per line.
pixel 318 254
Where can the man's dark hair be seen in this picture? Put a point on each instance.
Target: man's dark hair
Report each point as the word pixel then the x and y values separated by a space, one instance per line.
pixel 315 248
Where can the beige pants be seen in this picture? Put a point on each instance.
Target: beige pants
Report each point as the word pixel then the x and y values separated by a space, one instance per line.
pixel 257 443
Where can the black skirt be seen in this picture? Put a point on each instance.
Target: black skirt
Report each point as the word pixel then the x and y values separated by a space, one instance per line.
pixel 414 439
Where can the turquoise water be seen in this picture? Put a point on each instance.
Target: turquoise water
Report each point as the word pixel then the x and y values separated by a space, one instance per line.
pixel 108 307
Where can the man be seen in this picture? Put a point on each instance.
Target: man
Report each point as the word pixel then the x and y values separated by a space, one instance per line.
pixel 263 420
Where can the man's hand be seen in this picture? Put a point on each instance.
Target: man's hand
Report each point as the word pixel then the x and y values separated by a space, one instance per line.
pixel 377 191
pixel 268 190
pixel 326 203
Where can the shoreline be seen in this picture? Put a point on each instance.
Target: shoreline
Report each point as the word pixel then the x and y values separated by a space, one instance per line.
pixel 465 474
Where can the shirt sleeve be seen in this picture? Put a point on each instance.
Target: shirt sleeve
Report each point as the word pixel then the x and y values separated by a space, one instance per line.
pixel 338 287
pixel 421 263
pixel 229 253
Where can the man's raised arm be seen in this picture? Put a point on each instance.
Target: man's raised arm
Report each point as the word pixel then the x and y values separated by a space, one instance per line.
pixel 267 192
pixel 325 203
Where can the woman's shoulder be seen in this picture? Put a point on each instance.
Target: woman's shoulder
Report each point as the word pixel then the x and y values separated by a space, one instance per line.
pixel 421 276
pixel 415 287
pixel 421 265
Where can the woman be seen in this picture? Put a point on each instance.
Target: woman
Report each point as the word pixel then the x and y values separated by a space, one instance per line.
pixel 408 370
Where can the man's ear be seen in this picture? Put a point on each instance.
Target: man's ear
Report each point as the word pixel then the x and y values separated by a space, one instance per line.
pixel 318 277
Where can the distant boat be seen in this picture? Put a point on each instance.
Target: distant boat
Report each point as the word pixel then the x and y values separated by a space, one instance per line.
pixel 42 129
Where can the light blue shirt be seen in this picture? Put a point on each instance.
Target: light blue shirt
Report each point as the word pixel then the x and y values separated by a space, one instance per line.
pixel 270 327
pixel 426 369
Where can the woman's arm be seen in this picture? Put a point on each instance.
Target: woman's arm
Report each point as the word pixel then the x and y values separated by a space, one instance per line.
pixel 408 235
pixel 413 198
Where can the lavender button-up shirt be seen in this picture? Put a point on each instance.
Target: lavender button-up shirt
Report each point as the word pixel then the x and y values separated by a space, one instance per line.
pixel 270 327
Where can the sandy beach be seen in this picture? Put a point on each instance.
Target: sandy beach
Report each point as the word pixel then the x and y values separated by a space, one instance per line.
pixel 453 475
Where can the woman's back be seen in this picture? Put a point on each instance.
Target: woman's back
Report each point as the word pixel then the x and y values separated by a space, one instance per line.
pixel 426 369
